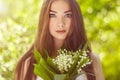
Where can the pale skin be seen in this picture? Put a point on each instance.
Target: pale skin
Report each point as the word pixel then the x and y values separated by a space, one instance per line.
pixel 59 24
pixel 59 27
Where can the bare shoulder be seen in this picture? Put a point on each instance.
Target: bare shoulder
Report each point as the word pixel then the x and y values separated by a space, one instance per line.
pixel 95 58
pixel 96 62
pixel 97 66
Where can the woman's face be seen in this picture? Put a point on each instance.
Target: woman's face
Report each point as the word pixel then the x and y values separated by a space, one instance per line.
pixel 60 19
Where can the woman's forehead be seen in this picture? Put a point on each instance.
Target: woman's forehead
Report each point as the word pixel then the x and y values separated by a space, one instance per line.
pixel 60 5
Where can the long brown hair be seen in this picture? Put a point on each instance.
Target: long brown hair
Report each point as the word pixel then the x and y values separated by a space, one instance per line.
pixel 77 39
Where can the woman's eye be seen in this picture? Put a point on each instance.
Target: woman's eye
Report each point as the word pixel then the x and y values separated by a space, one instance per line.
pixel 68 15
pixel 51 15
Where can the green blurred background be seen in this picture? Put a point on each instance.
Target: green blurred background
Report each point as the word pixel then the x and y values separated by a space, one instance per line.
pixel 18 24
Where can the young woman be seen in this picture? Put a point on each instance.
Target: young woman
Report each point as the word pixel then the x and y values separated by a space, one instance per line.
pixel 60 25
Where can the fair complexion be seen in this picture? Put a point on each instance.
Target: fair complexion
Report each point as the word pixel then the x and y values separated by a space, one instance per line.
pixel 60 20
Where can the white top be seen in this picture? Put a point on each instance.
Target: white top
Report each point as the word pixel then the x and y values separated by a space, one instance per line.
pixel 81 77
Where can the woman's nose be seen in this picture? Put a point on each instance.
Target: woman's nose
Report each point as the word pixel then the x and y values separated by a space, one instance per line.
pixel 61 22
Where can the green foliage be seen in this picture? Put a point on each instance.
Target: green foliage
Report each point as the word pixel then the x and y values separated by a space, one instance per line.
pixel 18 25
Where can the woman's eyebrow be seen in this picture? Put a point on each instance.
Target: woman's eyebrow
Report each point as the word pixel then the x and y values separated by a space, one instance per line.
pixel 53 11
pixel 64 12
pixel 68 11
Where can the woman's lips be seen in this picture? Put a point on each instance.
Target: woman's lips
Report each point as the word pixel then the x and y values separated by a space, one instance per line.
pixel 61 31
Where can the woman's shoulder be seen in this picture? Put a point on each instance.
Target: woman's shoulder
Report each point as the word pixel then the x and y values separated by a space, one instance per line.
pixel 97 66
pixel 95 57
pixel 96 61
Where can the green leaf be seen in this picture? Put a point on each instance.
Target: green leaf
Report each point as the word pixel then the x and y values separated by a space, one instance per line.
pixel 49 71
pixel 85 46
pixel 40 71
pixel 46 54
pixel 37 55
pixel 46 64
pixel 60 76
pixel 51 64
pixel 44 69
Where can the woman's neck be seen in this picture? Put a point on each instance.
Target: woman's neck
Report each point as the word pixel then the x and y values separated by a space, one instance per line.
pixel 58 44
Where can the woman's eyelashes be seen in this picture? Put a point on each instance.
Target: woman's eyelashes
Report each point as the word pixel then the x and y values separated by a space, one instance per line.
pixel 51 15
pixel 66 15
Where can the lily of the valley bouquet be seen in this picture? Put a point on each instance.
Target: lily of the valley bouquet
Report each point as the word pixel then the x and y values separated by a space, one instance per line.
pixel 65 66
